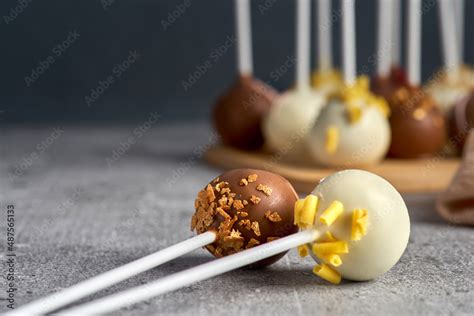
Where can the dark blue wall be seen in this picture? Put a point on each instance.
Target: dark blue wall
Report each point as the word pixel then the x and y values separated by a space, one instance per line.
pixel 102 35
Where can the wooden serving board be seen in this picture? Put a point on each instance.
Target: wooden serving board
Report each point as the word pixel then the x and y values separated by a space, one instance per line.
pixel 408 176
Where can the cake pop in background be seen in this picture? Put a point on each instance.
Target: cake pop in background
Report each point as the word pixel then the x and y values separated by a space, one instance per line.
pixel 326 79
pixel 238 113
pixel 353 128
pixel 458 120
pixel 418 126
pixel 293 113
pixel 389 74
pixel 454 82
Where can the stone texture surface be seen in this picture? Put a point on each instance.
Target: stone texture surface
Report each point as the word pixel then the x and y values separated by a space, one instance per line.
pixel 79 214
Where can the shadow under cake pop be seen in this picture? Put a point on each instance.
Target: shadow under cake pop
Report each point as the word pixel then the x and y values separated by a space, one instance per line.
pixel 238 113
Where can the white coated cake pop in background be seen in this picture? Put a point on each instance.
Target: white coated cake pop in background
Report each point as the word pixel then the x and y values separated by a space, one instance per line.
pixel 293 114
pixel 365 222
pixel 352 130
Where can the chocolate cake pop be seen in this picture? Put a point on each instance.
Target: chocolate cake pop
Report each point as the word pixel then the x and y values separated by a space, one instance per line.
pixel 385 86
pixel 239 112
pixel 418 126
pixel 470 111
pixel 353 128
pixel 364 223
pixel 246 208
pixel 294 113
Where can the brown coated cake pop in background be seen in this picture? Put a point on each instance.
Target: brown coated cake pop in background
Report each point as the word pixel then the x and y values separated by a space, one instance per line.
pixel 239 112
pixel 386 86
pixel 246 208
pixel 418 126
pixel 470 110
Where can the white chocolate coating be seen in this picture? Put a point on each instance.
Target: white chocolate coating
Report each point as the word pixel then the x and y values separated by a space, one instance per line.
pixel 291 118
pixel 447 90
pixel 388 225
pixel 359 143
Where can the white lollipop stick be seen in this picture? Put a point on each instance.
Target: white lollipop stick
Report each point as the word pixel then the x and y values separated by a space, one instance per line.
pixel 383 37
pixel 459 5
pixel 348 41
pixel 97 283
pixel 244 40
pixel 303 40
pixel 196 274
pixel 414 42
pixel 396 28
pixel 449 34
pixel 324 39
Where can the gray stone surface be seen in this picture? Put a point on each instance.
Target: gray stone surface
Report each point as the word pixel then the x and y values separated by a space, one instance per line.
pixel 77 216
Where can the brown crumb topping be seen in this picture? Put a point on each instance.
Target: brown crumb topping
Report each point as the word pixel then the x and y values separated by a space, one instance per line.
pixel 252 243
pixel 255 199
pixel 218 209
pixel 273 216
pixel 238 205
pixel 256 228
pixel 252 178
pixel 265 189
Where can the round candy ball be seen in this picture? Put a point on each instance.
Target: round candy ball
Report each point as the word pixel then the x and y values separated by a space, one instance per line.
pixel 386 86
pixel 470 110
pixel 337 140
pixel 387 222
pixel 246 208
pixel 291 118
pixel 239 112
pixel 418 126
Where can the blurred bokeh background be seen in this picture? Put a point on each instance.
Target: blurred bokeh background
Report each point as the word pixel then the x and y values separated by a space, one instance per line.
pixel 113 61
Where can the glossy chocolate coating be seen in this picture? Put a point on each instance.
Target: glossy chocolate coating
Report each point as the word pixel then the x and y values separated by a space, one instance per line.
pixel 458 122
pixel 418 126
pixel 281 201
pixel 386 86
pixel 239 112
pixel 470 110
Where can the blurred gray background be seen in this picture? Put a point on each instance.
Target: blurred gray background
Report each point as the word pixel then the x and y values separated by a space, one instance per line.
pixel 114 61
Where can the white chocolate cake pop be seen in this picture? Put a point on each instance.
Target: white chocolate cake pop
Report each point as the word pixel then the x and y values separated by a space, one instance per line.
pixel 291 118
pixel 365 223
pixel 293 114
pixel 352 130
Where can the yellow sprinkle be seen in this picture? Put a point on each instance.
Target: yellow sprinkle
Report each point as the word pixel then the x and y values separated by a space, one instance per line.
pixel 359 224
pixel 326 273
pixel 308 212
pixel 298 207
pixel 354 113
pixel 332 139
pixel 332 213
pixel 332 259
pixel 329 236
pixel 303 251
pixel 330 247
